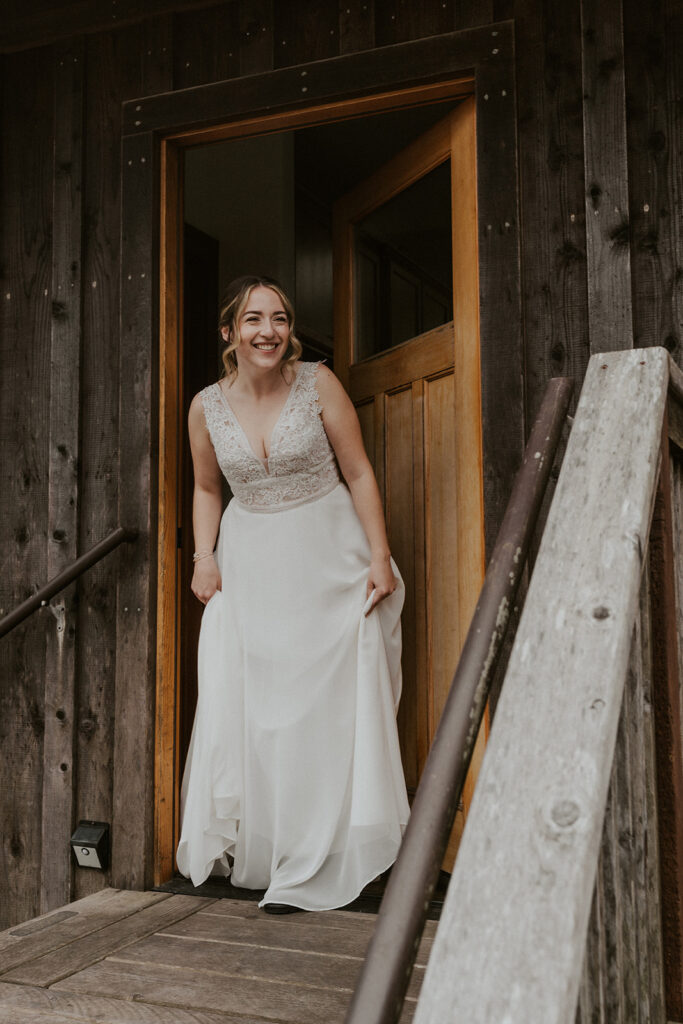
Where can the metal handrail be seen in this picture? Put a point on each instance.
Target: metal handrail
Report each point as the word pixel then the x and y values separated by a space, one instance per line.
pixel 122 534
pixel 381 988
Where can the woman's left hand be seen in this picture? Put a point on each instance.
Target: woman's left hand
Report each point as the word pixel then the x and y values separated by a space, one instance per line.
pixel 381 579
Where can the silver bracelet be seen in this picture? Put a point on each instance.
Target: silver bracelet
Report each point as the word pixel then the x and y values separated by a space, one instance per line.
pixel 198 555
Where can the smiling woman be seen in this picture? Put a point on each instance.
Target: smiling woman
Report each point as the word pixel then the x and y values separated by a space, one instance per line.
pixel 293 782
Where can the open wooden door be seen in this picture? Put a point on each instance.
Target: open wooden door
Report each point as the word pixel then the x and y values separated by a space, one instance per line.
pixel 406 333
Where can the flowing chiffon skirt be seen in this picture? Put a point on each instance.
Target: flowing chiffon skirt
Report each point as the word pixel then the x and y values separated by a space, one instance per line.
pixel 293 781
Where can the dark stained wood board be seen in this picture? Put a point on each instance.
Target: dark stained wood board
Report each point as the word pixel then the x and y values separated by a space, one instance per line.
pixel 24 25
pixel 118 64
pixel 196 56
pixel 136 598
pixel 426 60
pixel 64 456
pixel 303 29
pixel 606 176
pixel 653 35
pixel 399 20
pixel 356 25
pixel 25 311
pixel 502 398
pixel 256 36
pixel 553 241
pixel 666 692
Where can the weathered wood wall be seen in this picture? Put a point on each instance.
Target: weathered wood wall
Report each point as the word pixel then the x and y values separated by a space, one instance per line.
pixel 599 135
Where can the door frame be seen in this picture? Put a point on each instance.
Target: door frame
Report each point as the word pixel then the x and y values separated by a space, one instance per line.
pixel 156 130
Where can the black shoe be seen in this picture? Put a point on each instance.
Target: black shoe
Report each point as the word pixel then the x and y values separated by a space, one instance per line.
pixel 280 908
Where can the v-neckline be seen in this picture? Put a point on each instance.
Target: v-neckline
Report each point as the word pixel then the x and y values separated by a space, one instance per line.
pixel 263 463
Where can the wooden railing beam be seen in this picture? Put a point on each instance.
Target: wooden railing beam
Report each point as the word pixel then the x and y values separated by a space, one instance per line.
pixel 511 939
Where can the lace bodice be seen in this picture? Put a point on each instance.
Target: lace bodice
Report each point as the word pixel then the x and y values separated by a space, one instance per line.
pixel 301 465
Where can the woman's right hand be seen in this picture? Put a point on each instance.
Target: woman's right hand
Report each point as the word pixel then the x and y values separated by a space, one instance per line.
pixel 206 579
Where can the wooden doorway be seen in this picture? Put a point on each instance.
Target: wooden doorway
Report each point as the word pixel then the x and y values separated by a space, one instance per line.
pixel 407 348
pixel 170 653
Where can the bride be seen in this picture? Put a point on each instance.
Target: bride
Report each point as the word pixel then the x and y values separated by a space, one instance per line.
pixel 293 782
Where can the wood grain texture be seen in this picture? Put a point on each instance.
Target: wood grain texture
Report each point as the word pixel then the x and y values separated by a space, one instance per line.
pixel 132 824
pixel 80 953
pixel 553 238
pixel 25 312
pixel 114 64
pixel 64 454
pixel 196 56
pixel 24 1004
pixel 256 36
pixel 668 745
pixel 401 531
pixel 606 176
pixel 676 463
pixel 274 1001
pixel 622 973
pixel 167 708
pixel 540 823
pixel 57 929
pixel 421 63
pixel 653 35
pixel 356 25
pixel 412 360
pixel 467 419
pixel 305 31
pixel 270 964
pixel 399 20
pixel 499 240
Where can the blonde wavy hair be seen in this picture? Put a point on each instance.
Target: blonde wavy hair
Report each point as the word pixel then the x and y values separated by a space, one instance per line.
pixel 233 305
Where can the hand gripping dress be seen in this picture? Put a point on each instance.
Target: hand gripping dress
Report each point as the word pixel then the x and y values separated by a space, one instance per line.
pixel 293 781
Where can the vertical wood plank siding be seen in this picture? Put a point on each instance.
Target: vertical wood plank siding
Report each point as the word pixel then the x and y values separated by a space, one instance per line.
pixel 108 681
pixel 548 40
pixel 63 456
pixel 25 308
pixel 604 136
pixel 653 34
pixel 113 66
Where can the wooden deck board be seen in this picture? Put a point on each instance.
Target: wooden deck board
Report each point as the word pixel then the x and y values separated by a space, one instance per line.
pixel 59 963
pixel 190 989
pixel 136 958
pixel 297 931
pixel 48 932
pixel 37 1005
pixel 310 968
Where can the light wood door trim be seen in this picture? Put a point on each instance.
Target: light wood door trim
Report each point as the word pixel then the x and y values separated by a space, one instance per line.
pixel 325 113
pixel 412 360
pixel 418 158
pixel 468 446
pixel 166 770
pixel 170 372
pixel 454 138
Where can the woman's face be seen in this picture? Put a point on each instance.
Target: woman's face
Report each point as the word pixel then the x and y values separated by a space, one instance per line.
pixel 264 330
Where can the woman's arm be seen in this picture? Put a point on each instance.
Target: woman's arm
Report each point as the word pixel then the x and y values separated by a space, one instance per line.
pixel 343 429
pixel 207 503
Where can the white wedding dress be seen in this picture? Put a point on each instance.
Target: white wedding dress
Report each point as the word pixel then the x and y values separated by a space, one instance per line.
pixel 293 781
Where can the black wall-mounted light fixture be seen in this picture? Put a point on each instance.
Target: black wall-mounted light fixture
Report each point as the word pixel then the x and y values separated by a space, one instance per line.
pixel 90 844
